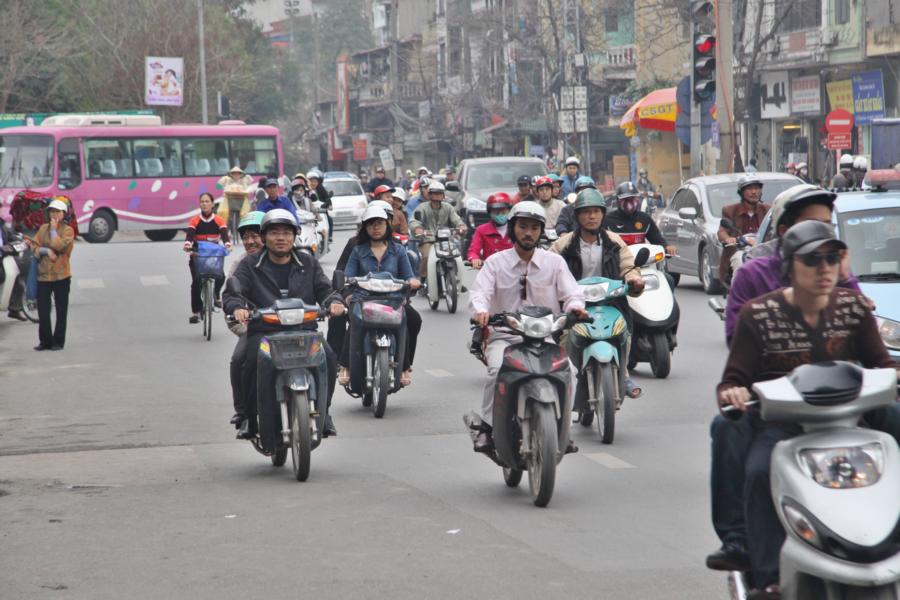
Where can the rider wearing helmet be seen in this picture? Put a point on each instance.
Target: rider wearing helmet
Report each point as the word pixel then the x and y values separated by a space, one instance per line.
pixel 803 171
pixel 491 237
pixel 628 218
pixel 277 271
pixel 557 185
pixel 382 192
pixel 570 177
pixel 543 187
pixel 299 186
pixel 524 275
pixel 273 200
pixel 747 214
pixel 431 216
pixel 860 168
pixel 379 180
pixel 419 197
pixel 318 193
pixel 566 220
pixel 843 179
pixel 644 185
pixel 525 191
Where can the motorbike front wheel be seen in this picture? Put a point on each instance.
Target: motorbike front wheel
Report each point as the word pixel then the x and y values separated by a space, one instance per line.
pixel 381 378
pixel 512 477
pixel 301 434
pixel 605 386
pixel 544 448
pixel 660 357
pixel 451 294
pixel 280 457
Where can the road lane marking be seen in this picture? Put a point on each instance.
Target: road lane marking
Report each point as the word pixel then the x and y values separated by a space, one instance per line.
pixel 609 461
pixel 151 280
pixel 90 284
pixel 439 373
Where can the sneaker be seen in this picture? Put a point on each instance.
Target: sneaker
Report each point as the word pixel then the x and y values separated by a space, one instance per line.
pixel 195 318
pixel 18 315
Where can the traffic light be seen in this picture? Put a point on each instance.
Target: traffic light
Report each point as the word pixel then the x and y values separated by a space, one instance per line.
pixel 703 27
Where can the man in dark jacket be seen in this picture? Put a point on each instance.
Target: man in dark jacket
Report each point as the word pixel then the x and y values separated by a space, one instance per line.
pixel 379 179
pixel 278 272
pixel 627 218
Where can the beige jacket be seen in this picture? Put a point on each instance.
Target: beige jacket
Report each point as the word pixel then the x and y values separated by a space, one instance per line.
pixel 62 245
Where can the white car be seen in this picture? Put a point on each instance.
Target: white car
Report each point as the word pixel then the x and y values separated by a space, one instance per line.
pixel 348 201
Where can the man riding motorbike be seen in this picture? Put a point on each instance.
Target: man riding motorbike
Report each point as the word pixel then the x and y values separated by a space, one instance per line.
pixel 745 217
pixel 592 250
pixel 566 221
pixel 628 219
pixel 418 198
pixel 523 275
pixel 557 185
pixel 552 207
pixel 273 200
pixel 276 272
pixel 317 192
pixel 430 217
pixel 525 191
pixel 644 184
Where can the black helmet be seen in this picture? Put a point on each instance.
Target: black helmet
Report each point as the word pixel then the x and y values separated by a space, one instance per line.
pixel 626 189
pixel 524 180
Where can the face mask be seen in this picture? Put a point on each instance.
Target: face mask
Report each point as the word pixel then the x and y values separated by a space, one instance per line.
pixel 500 220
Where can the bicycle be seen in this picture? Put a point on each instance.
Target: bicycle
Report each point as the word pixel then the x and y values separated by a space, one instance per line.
pixel 210 263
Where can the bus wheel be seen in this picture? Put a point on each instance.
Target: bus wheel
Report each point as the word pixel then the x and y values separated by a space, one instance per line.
pixel 160 235
pixel 101 228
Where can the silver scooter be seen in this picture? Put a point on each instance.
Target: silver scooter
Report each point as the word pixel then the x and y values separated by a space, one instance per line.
pixel 836 486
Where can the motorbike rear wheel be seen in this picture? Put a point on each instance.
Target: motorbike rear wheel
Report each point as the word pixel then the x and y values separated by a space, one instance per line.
pixel 512 477
pixel 381 378
pixel 660 357
pixel 544 449
pixel 451 294
pixel 605 385
pixel 301 434
pixel 280 457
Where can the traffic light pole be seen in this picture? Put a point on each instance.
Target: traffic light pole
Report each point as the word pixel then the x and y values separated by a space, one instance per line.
pixel 696 157
pixel 725 87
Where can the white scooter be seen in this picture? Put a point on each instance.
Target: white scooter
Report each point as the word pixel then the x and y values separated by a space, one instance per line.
pixel 444 268
pixel 323 230
pixel 835 486
pixel 10 271
pixel 655 312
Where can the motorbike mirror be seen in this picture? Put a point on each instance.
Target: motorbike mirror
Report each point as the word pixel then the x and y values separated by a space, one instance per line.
pixel 641 259
pixel 338 280
pixel 688 213
pixel 452 186
pixel 233 286
pixel 260 194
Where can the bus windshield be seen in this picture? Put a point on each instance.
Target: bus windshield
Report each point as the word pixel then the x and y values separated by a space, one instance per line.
pixel 26 161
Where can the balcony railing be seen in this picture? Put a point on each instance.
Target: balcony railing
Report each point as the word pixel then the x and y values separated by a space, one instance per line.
pixel 373 93
pixel 620 56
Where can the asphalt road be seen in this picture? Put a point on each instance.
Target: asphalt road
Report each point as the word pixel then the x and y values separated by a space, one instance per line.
pixel 120 476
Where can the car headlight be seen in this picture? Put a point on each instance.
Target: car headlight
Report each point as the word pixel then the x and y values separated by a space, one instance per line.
pixel 537 327
pixel 890 332
pixel 844 468
pixel 473 203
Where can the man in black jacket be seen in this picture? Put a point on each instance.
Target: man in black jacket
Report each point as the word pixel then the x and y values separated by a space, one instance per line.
pixel 379 179
pixel 628 218
pixel 278 272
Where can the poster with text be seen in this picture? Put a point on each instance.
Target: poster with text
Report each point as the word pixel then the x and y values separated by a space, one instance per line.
pixel 163 81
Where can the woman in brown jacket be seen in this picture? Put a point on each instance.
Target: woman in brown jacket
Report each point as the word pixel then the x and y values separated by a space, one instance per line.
pixel 53 245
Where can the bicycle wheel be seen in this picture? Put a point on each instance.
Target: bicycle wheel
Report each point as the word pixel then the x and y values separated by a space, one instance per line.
pixel 208 306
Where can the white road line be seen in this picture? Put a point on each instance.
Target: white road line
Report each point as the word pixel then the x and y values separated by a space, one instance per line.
pixel 439 373
pixel 609 461
pixel 150 280
pixel 90 284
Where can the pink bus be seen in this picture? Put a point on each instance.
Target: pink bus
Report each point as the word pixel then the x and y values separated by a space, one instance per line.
pixel 131 172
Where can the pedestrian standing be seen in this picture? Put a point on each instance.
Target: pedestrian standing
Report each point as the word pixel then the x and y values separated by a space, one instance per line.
pixel 53 244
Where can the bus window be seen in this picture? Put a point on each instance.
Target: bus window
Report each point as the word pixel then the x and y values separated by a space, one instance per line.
pixel 108 159
pixel 69 164
pixel 26 160
pixel 158 157
pixel 207 157
pixel 254 155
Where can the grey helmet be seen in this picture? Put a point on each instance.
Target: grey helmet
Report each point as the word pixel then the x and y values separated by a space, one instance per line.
pixel 278 216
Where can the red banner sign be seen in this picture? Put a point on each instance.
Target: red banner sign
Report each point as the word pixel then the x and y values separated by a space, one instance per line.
pixel 839 141
pixel 360 149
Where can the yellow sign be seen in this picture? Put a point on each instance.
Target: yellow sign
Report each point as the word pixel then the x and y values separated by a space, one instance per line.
pixel 620 167
pixel 840 94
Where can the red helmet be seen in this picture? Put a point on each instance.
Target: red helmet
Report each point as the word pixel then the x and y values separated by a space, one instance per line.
pixel 499 200
pixel 382 189
pixel 543 180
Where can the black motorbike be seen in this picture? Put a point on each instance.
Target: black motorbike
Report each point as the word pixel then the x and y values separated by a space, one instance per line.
pixel 378 310
pixel 532 412
pixel 293 362
pixel 726 268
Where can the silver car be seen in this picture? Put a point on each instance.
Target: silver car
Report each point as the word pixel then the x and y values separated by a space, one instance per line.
pixel 691 222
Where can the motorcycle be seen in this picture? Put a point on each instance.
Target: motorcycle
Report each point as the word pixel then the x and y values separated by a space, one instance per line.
pixel 834 486
pixel 444 267
pixel 655 312
pixel 9 271
pixel 732 258
pixel 296 360
pixel 650 201
pixel 532 412
pixel 380 312
pixel 307 238
pixel 409 244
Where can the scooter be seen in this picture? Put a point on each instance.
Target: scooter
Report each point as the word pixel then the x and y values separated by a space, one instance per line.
pixel 532 411
pixel 732 258
pixel 835 486
pixel 307 238
pixel 323 228
pixel 293 362
pixel 444 267
pixel 655 313
pixel 376 365
pixel 9 272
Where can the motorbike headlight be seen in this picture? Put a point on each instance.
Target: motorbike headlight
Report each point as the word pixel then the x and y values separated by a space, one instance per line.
pixel 473 203
pixel 890 332
pixel 595 292
pixel 651 282
pixel 537 327
pixel 802 526
pixel 844 468
pixel 293 316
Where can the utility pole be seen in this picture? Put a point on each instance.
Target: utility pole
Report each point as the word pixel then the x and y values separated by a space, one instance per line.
pixel 725 86
pixel 204 108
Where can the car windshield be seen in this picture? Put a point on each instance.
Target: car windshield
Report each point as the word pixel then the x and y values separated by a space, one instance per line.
pixel 723 194
pixel 873 237
pixel 344 188
pixel 501 175
pixel 26 161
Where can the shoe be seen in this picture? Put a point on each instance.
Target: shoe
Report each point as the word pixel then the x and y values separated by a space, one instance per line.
pixel 41 347
pixel 463 289
pixel 571 448
pixel 729 557
pixel 55 347
pixel 772 592
pixel 18 315
pixel 632 390
pixel 245 432
pixel 217 303
pixel 237 419
pixel 484 443
pixel 329 430
pixel 195 318
pixel 586 417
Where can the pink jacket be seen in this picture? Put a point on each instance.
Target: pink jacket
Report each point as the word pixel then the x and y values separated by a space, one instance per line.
pixel 486 241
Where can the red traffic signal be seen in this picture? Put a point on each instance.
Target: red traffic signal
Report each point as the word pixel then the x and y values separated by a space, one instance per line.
pixel 705 44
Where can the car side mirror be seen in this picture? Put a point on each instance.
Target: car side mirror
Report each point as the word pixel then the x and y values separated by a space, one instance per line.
pixel 452 186
pixel 689 213
pixel 643 254
pixel 338 279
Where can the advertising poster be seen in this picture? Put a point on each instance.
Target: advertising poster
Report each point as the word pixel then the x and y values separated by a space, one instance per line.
pixel 868 96
pixel 806 98
pixel 163 81
pixel 840 94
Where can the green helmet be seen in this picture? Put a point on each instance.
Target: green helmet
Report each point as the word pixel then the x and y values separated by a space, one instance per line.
pixel 251 219
pixel 589 198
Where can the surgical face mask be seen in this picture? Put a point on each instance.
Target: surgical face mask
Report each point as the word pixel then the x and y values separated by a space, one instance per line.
pixel 500 220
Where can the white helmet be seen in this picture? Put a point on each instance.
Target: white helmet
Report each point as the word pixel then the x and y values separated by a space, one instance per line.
pixel 374 212
pixel 861 163
pixel 436 186
pixel 528 209
pixel 386 206
pixel 573 160
pixel 314 174
pixel 846 161
pixel 802 166
pixel 399 194
pixel 423 168
pixel 58 205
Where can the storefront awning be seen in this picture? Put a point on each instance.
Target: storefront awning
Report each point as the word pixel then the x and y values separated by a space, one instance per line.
pixel 495 126
pixel 657 110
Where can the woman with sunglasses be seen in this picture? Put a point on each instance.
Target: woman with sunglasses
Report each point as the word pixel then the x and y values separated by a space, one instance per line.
pixel 810 321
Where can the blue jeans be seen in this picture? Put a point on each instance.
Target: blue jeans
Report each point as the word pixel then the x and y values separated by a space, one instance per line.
pixel 730 445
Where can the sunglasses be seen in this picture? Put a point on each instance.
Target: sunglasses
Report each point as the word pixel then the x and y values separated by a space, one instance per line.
pixel 814 259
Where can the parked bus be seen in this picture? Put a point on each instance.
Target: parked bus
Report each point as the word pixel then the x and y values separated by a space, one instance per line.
pixel 131 173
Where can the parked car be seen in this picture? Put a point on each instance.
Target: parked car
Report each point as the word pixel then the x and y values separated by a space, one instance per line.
pixel 329 175
pixel 481 177
pixel 348 200
pixel 690 221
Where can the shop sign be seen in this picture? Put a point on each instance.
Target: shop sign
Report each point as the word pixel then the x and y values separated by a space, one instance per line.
pixel 806 96
pixel 619 105
pixel 360 149
pixel 868 96
pixel 840 94
pixel 774 102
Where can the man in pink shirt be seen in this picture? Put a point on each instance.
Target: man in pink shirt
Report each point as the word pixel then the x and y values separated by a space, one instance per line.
pixel 524 275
